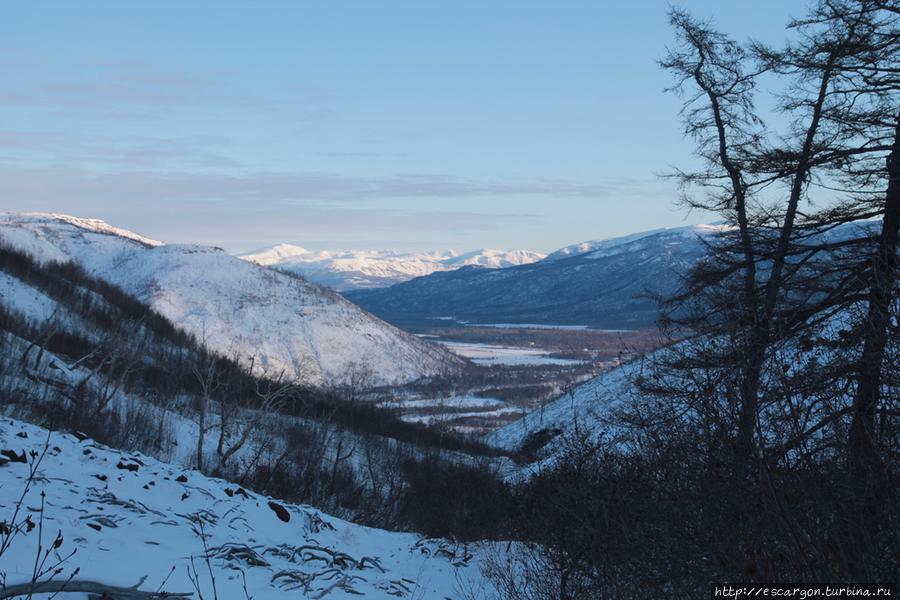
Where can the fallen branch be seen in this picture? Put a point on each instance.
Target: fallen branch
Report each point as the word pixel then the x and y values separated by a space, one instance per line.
pixel 91 587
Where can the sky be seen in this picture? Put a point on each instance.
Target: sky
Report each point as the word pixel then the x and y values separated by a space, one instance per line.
pixel 351 124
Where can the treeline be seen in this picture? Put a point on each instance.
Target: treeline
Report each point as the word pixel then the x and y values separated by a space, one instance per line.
pixel 94 299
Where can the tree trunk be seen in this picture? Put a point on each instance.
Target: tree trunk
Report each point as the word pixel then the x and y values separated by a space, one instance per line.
pixel 202 433
pixel 864 460
pixel 749 393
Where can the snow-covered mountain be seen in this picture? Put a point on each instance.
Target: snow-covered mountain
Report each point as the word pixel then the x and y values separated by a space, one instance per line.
pixel 361 269
pixel 643 239
pixel 493 259
pixel 131 519
pixel 599 283
pixel 233 306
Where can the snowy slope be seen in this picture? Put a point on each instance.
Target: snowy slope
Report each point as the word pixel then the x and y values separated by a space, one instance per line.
pixel 20 298
pixel 643 239
pixel 233 306
pixel 586 408
pixel 128 517
pixel 593 408
pixel 361 269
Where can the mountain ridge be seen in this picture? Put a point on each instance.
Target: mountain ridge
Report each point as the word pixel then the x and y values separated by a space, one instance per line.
pixel 604 284
pixel 365 269
pixel 235 307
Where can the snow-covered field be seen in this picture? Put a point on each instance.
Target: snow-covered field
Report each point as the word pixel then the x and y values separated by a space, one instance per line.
pixel 491 354
pixel 443 417
pixel 452 402
pixel 528 326
pixel 130 517
pixel 457 412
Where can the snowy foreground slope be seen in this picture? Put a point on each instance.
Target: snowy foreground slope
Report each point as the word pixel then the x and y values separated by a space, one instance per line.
pixel 361 269
pixel 128 516
pixel 233 306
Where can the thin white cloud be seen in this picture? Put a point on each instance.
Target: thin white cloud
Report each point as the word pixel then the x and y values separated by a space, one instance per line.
pixel 266 190
pixel 130 91
pixel 21 147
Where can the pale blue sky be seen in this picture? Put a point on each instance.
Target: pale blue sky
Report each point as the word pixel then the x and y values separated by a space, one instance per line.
pixel 338 124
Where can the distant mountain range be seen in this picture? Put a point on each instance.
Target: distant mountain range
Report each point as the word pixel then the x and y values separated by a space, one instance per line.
pixel 234 307
pixel 599 284
pixel 366 269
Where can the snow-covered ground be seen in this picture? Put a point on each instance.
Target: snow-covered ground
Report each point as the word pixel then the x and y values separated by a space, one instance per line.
pixel 585 408
pixel 444 417
pixel 452 402
pixel 452 411
pixel 491 354
pixel 529 326
pixel 31 304
pixel 355 269
pixel 233 306
pixel 130 517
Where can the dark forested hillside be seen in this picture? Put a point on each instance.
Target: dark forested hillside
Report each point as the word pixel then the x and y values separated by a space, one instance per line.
pixel 606 285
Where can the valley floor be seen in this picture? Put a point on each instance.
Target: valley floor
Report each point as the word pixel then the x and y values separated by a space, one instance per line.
pixel 515 370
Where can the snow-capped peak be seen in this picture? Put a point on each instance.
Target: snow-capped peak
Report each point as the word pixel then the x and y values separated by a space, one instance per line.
pixel 275 254
pixel 353 269
pixel 495 259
